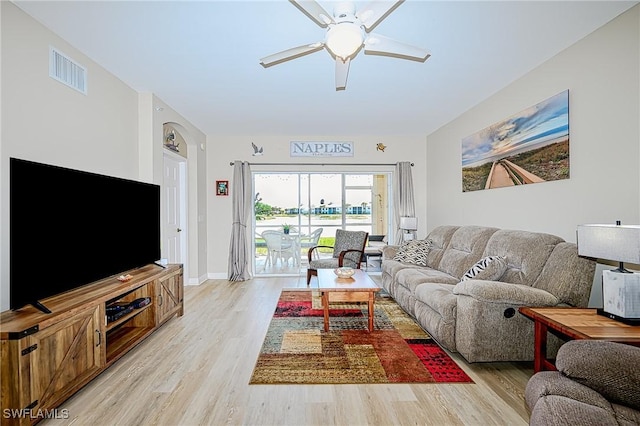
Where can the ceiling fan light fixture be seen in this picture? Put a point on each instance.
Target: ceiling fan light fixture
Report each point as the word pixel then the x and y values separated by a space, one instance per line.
pixel 344 40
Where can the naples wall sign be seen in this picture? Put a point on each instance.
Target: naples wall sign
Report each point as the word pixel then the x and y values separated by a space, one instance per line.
pixel 321 149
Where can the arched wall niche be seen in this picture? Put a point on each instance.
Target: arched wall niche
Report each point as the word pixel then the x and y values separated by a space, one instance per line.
pixel 173 140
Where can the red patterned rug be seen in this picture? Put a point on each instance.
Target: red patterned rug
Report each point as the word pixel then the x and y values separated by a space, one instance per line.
pixel 296 348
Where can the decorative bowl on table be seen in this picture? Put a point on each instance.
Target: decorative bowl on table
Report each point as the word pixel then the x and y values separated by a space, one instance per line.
pixel 344 272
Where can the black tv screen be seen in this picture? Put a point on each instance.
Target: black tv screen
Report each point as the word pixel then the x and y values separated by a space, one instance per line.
pixel 69 228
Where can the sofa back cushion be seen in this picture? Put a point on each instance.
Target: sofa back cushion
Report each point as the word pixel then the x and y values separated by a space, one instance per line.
pixel 465 249
pixel 440 238
pixel 526 253
pixel 567 276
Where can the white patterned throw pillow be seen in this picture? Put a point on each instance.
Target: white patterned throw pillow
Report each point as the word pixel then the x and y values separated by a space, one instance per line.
pixel 489 268
pixel 414 251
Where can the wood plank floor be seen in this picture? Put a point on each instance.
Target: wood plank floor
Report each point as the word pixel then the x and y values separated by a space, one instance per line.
pixel 195 370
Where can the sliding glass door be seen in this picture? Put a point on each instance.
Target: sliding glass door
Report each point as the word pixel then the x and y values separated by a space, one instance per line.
pixel 308 208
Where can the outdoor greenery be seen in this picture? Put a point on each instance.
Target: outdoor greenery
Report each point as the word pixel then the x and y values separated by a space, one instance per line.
pixel 262 210
pixel 550 162
pixel 475 178
pixel 261 246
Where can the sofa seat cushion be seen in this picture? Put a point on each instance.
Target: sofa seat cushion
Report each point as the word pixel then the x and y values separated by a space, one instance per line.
pixel 440 297
pixel 412 278
pixel 392 267
pixel 405 298
pixel 435 309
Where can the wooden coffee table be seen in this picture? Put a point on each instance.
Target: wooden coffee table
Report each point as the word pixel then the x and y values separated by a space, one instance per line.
pixel 575 323
pixel 359 288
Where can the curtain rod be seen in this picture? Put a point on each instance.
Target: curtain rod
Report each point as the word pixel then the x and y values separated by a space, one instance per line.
pixel 320 164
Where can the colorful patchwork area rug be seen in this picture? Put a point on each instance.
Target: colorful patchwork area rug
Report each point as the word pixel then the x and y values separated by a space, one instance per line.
pixel 297 350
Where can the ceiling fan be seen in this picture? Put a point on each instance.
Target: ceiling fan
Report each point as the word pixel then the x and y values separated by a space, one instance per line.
pixel 348 31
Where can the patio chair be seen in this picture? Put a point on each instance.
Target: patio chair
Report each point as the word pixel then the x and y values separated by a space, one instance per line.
pixel 348 250
pixel 259 241
pixel 311 240
pixel 278 247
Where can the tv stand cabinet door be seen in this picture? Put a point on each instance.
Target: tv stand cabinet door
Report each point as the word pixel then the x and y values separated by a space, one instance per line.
pixel 68 355
pixel 169 296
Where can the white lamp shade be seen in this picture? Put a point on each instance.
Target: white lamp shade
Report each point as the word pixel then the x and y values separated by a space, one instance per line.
pixel 620 243
pixel 409 223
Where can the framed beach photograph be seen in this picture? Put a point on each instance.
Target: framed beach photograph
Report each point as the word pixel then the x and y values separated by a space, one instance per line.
pixel 222 187
pixel 531 146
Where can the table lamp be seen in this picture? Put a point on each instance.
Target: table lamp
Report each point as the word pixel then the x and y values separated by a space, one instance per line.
pixel 408 224
pixel 620 287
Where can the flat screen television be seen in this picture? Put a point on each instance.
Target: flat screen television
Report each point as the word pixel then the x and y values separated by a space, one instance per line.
pixel 69 228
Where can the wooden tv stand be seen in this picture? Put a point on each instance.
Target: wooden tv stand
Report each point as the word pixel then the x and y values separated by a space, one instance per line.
pixel 46 358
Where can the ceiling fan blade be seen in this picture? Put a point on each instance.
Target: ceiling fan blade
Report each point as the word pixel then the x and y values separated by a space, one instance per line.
pixel 374 12
pixel 289 54
pixel 342 72
pixel 376 44
pixel 314 11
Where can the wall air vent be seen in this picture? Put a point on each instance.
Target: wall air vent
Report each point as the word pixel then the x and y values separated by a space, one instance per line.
pixel 67 71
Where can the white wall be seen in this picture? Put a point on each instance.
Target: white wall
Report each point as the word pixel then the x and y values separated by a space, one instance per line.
pixel 46 121
pixel 276 149
pixel 110 131
pixel 602 73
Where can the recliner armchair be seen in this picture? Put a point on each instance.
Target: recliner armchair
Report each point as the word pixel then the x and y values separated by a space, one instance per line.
pixel 597 383
pixel 348 250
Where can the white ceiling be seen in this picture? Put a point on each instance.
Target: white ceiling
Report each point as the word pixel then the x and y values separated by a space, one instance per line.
pixel 202 58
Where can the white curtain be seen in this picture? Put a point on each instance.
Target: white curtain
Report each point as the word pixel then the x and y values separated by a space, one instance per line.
pixel 403 200
pixel 241 197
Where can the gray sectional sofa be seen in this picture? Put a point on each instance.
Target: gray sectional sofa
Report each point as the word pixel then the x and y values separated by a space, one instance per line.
pixel 480 318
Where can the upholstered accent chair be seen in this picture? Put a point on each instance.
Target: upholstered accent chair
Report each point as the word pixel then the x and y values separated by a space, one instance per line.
pixel 348 250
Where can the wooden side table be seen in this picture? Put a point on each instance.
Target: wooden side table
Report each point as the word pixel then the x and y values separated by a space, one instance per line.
pixel 575 323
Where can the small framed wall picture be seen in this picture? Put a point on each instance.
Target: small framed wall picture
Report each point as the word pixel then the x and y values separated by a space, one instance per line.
pixel 222 187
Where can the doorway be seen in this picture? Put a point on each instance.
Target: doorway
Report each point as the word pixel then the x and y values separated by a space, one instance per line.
pixel 174 193
pixel 308 208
